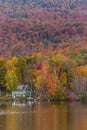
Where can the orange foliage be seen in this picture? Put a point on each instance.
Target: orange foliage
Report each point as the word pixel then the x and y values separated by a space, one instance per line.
pixel 81 71
pixel 58 68
pixel 51 86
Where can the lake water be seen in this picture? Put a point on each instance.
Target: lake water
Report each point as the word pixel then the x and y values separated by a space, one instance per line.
pixel 43 116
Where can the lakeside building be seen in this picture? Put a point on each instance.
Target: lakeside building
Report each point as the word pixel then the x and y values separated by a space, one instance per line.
pixel 22 91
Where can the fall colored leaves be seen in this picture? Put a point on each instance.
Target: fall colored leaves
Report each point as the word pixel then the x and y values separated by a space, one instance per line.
pixel 53 75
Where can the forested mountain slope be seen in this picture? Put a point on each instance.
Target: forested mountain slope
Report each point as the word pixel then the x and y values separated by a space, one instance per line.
pixel 29 26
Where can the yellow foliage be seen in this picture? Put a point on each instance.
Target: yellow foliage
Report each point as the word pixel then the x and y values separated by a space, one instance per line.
pixel 63 78
pixel 10 65
pixel 14 60
pixel 36 72
pixel 11 80
pixel 2 59
pixel 58 58
pixel 38 82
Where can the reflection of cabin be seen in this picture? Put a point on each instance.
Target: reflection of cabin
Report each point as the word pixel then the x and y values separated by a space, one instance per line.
pixel 22 91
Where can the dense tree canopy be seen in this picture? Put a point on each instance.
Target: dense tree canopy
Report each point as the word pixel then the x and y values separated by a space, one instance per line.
pixel 52 75
pixel 28 26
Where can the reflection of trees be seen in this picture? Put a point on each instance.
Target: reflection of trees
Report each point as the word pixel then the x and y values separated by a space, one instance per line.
pixel 35 117
pixel 44 117
pixel 51 117
pixel 77 118
pixel 11 119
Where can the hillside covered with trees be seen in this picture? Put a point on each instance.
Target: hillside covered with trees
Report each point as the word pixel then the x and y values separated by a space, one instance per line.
pixel 43 43
pixel 31 26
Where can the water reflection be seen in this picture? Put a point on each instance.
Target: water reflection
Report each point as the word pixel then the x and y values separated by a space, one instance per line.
pixel 77 117
pixel 43 116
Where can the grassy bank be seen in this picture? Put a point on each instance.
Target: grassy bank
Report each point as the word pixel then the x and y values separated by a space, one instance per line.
pixel 5 98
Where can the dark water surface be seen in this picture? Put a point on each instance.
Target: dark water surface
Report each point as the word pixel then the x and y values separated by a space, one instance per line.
pixel 43 116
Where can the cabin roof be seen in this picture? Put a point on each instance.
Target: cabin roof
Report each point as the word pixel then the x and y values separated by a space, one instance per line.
pixel 22 87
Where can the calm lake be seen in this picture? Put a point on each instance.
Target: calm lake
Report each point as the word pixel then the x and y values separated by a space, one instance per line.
pixel 43 116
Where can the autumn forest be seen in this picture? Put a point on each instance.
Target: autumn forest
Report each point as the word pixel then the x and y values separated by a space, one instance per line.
pixel 43 43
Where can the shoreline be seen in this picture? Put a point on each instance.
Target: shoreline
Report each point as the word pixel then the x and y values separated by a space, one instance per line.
pixel 25 99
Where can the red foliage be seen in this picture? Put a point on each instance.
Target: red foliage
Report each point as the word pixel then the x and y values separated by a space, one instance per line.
pixel 39 66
